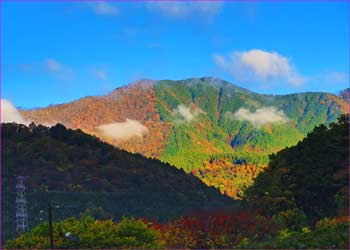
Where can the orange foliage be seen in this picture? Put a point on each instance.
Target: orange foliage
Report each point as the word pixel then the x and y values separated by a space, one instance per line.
pixel 136 101
pixel 230 178
pixel 344 106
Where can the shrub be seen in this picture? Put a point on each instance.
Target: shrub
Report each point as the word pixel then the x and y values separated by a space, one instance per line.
pixel 294 219
pixel 90 233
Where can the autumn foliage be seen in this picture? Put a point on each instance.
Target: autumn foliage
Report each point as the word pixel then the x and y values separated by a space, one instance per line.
pixel 211 131
pixel 201 230
pixel 207 230
pixel 231 178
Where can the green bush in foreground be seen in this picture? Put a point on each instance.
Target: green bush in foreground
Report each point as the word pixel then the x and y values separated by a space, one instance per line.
pixel 90 233
pixel 326 235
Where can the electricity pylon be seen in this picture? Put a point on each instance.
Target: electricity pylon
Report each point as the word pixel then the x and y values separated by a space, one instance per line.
pixel 21 202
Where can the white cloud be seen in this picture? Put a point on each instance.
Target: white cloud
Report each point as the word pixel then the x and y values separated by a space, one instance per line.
pixel 185 9
pixel 48 66
pixel 9 113
pixel 258 118
pixel 187 113
pixel 335 77
pixel 123 130
pixel 103 8
pixel 259 65
pixel 53 65
pixel 265 64
pixel 100 74
pixel 58 69
pixel 55 68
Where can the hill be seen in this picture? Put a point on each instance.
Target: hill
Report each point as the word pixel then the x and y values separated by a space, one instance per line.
pixel 78 171
pixel 220 132
pixel 312 176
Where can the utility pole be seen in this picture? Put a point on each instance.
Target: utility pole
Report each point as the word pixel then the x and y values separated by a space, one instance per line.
pixel 49 212
pixel 21 204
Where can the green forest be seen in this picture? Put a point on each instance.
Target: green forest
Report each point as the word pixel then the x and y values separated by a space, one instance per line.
pixel 214 130
pixel 214 143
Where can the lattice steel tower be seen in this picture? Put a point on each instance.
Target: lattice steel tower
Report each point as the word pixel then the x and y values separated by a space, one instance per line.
pixel 21 202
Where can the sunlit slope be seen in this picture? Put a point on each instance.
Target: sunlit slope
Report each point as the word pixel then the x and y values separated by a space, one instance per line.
pixel 215 128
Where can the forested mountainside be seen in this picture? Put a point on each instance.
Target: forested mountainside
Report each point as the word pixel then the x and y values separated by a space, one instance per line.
pixel 301 201
pixel 220 132
pixel 78 171
pixel 307 186
pixel 312 176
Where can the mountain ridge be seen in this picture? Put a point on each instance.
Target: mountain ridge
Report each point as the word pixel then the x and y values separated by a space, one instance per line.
pixel 342 93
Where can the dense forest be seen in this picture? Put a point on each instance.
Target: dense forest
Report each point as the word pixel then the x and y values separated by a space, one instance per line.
pixel 78 171
pixel 312 176
pixel 300 200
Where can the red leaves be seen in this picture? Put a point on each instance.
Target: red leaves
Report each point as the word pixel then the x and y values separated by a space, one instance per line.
pixel 194 171
pixel 219 229
pixel 152 224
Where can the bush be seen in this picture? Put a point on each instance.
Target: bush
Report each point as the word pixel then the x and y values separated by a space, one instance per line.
pixel 326 235
pixel 294 219
pixel 216 230
pixel 90 233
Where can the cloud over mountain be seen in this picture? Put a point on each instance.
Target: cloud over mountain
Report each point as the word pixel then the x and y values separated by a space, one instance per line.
pixel 9 113
pixel 123 130
pixel 258 118
pixel 187 113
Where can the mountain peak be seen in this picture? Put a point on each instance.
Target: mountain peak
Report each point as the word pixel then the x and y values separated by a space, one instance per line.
pixel 142 84
pixel 213 81
pixel 216 82
pixel 146 83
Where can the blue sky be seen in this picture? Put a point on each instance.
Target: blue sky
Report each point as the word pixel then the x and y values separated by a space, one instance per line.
pixel 57 52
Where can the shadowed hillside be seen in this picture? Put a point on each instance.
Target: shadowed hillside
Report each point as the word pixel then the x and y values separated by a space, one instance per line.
pixel 312 175
pixel 81 172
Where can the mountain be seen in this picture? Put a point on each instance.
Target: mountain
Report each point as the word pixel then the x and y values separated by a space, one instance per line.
pixel 220 132
pixel 78 171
